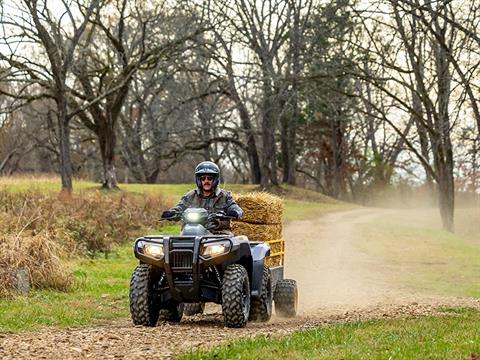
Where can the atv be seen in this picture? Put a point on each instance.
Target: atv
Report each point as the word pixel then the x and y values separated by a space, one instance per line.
pixel 198 266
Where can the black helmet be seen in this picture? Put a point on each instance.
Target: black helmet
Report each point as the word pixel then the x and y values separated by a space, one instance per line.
pixel 207 168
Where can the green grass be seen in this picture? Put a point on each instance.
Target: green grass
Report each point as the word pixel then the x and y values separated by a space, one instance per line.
pixel 454 336
pixel 303 210
pixel 100 294
pixel 299 203
pixel 102 285
pixel 22 184
pixel 421 256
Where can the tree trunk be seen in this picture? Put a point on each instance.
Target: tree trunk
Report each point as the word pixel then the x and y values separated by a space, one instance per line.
pixel 290 132
pixel 288 139
pixel 338 158
pixel 64 139
pixel 444 146
pixel 107 141
pixel 252 152
pixel 269 161
pixel 446 199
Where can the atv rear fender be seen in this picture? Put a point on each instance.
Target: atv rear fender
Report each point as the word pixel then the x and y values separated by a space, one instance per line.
pixel 259 252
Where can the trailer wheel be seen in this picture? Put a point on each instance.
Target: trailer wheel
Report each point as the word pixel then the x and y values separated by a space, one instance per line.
pixel 286 298
pixel 235 296
pixel 190 309
pixel 261 309
pixel 143 309
pixel 173 313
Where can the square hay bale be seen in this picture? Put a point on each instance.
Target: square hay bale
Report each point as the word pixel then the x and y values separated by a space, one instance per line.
pixel 257 232
pixel 260 207
pixel 273 261
pixel 276 246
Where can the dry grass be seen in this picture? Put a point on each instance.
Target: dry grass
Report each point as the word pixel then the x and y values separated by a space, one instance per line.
pixel 38 229
pixel 260 207
pixel 39 256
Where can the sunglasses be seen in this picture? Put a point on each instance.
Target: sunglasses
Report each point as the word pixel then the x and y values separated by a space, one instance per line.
pixel 206 177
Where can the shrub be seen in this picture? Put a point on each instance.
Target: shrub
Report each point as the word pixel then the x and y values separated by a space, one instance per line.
pixel 39 229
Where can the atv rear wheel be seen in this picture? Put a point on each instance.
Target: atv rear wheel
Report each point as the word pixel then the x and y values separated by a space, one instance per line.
pixel 235 296
pixel 286 298
pixel 261 309
pixel 143 309
pixel 173 313
pixel 190 309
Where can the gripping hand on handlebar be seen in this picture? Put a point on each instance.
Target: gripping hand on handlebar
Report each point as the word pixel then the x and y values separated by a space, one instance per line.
pixel 169 215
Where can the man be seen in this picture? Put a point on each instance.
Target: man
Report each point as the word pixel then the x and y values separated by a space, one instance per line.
pixel 209 196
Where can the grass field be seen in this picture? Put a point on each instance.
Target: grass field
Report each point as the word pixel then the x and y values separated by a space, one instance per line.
pixel 425 258
pixel 431 259
pixel 299 203
pixel 453 336
pixel 100 294
pixel 101 285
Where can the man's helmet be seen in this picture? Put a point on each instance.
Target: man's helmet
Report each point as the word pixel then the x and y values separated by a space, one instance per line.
pixel 207 168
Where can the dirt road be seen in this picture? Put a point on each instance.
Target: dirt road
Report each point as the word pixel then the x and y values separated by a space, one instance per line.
pixel 332 273
pixel 337 283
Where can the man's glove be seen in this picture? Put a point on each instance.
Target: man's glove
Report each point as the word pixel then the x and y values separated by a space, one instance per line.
pixel 216 214
pixel 213 222
pixel 168 214
pixel 233 213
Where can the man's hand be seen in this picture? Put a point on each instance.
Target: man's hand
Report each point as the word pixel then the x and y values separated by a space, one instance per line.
pixel 168 214
pixel 233 213
pixel 213 222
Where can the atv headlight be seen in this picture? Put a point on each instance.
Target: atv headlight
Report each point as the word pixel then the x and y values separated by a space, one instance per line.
pixel 192 217
pixel 215 249
pixel 153 250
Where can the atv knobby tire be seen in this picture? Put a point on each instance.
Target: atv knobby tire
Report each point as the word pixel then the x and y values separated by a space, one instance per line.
pixel 261 308
pixel 174 313
pixel 235 296
pixel 286 298
pixel 143 309
pixel 190 309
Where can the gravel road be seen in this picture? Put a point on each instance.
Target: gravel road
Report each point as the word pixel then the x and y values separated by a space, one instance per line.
pixel 336 283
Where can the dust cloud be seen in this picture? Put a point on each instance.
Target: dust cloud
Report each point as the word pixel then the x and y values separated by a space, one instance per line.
pixel 334 276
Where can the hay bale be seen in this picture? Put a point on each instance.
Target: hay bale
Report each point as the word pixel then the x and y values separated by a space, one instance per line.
pixel 273 261
pixel 262 221
pixel 276 247
pixel 257 232
pixel 260 207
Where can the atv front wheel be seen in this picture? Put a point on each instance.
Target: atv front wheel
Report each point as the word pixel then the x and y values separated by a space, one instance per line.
pixel 261 309
pixel 286 298
pixel 173 313
pixel 235 296
pixel 190 309
pixel 143 309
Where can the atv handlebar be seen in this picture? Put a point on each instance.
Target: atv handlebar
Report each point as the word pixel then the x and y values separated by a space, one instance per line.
pixel 174 216
pixel 225 217
pixel 170 216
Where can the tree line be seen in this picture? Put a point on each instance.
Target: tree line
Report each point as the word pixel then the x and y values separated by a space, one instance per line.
pixel 342 96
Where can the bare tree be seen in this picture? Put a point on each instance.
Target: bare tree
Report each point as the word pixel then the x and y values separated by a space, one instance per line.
pixel 30 25
pixel 116 47
pixel 426 77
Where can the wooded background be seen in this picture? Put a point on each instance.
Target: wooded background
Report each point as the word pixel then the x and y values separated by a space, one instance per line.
pixel 345 97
